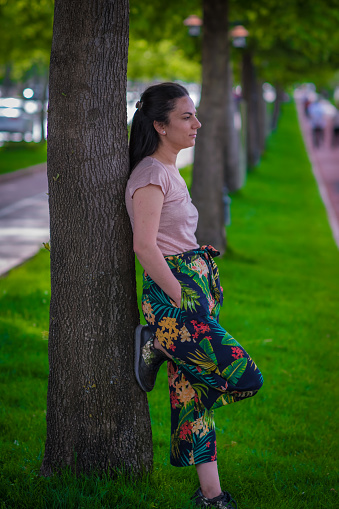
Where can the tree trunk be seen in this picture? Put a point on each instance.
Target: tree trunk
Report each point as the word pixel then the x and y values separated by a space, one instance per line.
pixel 233 177
pixel 250 91
pixel 277 106
pixel 97 417
pixel 262 117
pixel 242 106
pixel 208 169
pixel 7 82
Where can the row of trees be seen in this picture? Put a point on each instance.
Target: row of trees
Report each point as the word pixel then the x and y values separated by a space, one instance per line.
pixel 288 43
pixel 97 416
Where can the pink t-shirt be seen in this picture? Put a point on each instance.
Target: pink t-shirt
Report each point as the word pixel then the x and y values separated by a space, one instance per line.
pixel 179 217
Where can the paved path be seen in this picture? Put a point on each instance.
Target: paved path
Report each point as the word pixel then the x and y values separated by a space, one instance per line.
pixel 325 165
pixel 24 218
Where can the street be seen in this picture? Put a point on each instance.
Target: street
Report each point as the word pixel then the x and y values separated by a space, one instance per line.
pixel 24 218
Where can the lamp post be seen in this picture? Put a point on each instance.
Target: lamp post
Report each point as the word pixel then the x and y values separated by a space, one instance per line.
pixel 238 34
pixel 193 23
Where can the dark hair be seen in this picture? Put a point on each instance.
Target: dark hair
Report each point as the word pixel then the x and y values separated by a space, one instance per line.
pixel 156 102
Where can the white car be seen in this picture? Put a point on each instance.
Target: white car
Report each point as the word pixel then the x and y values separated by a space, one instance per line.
pixel 13 117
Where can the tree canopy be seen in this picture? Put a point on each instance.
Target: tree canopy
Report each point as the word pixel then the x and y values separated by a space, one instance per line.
pixel 26 34
pixel 291 41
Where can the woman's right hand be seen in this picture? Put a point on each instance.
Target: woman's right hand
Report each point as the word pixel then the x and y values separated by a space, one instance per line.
pixel 147 206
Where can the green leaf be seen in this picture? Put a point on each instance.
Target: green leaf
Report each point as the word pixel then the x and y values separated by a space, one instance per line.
pixel 209 418
pixel 146 282
pixel 229 340
pixel 202 282
pixel 233 372
pixel 186 413
pixel 204 361
pixel 200 389
pixel 189 298
pixel 207 347
pixel 225 399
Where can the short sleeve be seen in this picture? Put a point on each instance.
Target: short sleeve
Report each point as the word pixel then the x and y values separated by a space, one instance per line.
pixel 142 176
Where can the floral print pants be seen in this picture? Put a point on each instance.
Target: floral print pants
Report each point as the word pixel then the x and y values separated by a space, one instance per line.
pixel 209 368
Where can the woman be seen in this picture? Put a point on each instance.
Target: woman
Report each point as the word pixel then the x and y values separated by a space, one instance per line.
pixel 207 368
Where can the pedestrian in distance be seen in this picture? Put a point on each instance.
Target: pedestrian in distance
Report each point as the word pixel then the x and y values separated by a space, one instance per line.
pixel 306 102
pixel 335 129
pixel 316 115
pixel 207 368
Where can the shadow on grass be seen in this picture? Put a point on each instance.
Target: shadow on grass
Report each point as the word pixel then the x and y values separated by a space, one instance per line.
pixel 237 256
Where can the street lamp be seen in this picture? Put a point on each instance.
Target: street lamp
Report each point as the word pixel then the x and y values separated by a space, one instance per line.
pixel 239 34
pixel 193 23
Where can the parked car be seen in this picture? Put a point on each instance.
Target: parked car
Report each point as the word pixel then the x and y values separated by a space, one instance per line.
pixel 13 118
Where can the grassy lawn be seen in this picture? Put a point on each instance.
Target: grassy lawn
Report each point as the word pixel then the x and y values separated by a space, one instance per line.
pixel 280 277
pixel 15 156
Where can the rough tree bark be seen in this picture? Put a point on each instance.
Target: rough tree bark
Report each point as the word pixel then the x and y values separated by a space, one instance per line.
pixel 97 417
pixel 250 94
pixel 208 169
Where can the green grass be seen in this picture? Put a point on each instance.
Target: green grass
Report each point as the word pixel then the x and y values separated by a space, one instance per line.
pixel 15 156
pixel 280 277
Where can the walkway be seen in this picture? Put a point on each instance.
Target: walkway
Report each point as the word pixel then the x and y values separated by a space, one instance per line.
pixel 325 165
pixel 24 218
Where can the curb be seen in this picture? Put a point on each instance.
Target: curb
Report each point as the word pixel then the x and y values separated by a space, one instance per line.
pixel 320 177
pixel 31 170
pixel 14 263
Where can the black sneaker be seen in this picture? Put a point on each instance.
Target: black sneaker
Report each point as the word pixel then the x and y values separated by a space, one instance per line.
pixel 222 501
pixel 147 359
